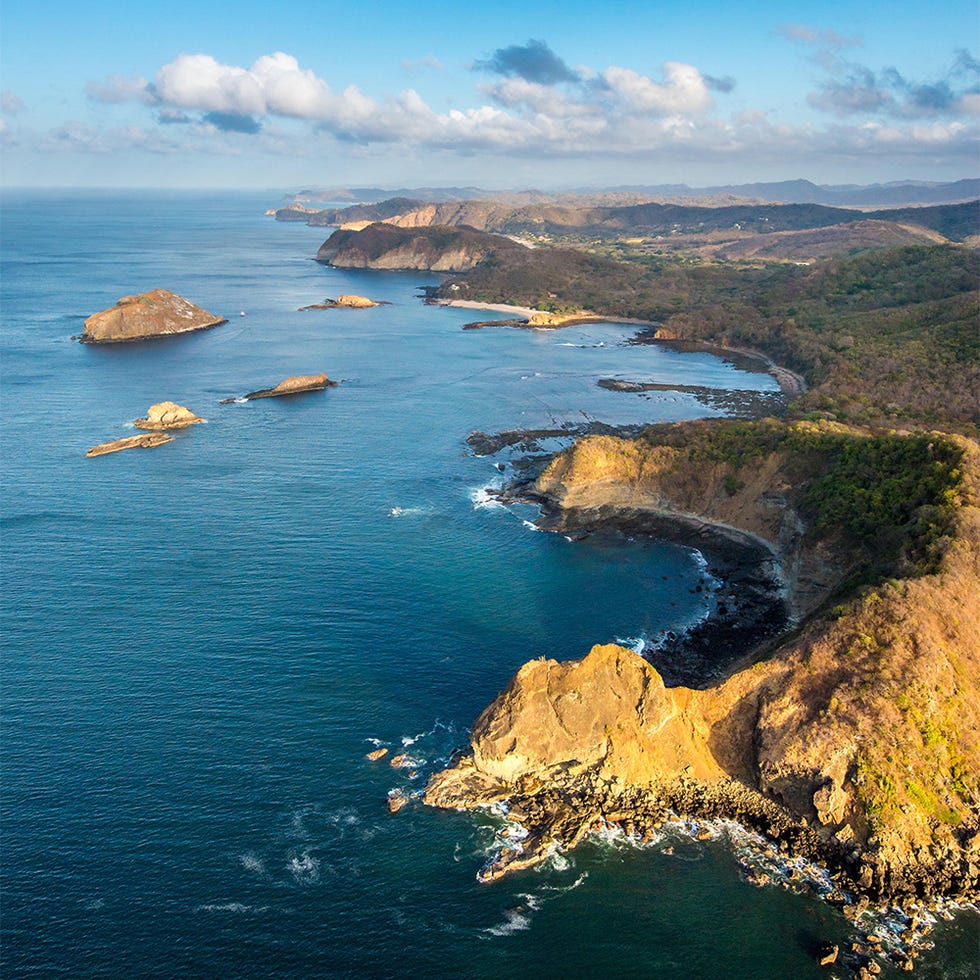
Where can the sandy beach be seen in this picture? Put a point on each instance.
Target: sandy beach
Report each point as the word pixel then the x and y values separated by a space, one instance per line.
pixel 468 304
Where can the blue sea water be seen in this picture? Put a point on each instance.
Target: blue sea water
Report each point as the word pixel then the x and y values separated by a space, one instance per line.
pixel 202 641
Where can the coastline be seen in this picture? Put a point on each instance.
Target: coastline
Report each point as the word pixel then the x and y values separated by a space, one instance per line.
pixel 468 304
pixel 549 321
pixel 792 384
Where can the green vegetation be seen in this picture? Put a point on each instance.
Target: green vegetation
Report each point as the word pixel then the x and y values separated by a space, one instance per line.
pixel 885 338
pixel 883 490
pixel 892 496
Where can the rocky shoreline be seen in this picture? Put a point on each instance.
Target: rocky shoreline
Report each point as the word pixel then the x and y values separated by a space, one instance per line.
pixel 787 734
pixel 751 605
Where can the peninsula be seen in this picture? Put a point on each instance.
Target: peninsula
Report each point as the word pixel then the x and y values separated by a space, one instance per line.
pixel 851 733
pixel 433 249
pixel 854 738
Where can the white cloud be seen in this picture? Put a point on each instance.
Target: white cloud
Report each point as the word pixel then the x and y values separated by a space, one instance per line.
pixel 618 111
pixel 120 88
pixel 683 91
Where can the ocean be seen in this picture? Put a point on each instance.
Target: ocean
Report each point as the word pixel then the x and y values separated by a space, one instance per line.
pixel 202 641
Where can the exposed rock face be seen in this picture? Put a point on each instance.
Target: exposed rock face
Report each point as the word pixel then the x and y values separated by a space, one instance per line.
pixel 289 386
pixel 608 472
pixel 344 302
pixel 158 313
pixel 436 249
pixel 356 302
pixel 147 441
pixel 167 415
pixel 857 743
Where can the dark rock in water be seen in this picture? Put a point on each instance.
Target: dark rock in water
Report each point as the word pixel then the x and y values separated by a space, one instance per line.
pixel 158 313
pixel 828 954
pixel 397 800
pixel 290 386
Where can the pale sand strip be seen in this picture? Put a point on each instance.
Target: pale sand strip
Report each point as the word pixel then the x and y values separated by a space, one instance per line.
pixel 468 304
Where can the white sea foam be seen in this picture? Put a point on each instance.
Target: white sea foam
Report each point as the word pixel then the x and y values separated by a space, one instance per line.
pixel 515 920
pixel 409 511
pixel 305 868
pixel 238 908
pixel 483 498
pixel 635 643
pixel 251 862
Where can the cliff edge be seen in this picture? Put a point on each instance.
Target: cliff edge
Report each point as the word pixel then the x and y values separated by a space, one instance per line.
pixel 857 742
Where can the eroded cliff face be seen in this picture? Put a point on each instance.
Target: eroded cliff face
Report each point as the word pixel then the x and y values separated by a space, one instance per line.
pixel 158 313
pixel 609 472
pixel 857 742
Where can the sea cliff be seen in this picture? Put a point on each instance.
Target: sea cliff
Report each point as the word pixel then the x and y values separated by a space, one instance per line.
pixel 855 741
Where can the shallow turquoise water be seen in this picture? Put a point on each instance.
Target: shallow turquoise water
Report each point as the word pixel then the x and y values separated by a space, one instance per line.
pixel 202 641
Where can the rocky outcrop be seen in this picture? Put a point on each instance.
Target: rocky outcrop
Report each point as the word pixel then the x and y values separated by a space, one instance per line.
pixel 857 743
pixel 167 415
pixel 158 313
pixel 436 249
pixel 345 302
pixel 147 441
pixel 294 385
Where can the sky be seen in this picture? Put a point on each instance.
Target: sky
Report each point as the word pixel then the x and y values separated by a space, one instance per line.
pixel 503 95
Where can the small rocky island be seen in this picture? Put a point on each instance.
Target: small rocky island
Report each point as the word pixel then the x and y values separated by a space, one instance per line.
pixel 345 302
pixel 295 385
pixel 145 440
pixel 158 313
pixel 167 415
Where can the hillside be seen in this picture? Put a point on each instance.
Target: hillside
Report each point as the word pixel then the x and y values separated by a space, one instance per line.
pixel 855 742
pixel 436 249
pixel 824 243
pixel 889 336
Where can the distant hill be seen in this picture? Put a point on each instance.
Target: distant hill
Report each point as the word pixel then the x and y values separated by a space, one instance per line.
pixel 806 192
pixel 812 244
pixel 369 195
pixel 893 194
pixel 435 249
pixel 956 222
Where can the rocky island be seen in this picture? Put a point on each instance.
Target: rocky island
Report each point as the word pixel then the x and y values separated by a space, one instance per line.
pixel 294 385
pixel 143 441
pixel 158 313
pixel 167 415
pixel 854 739
pixel 345 302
